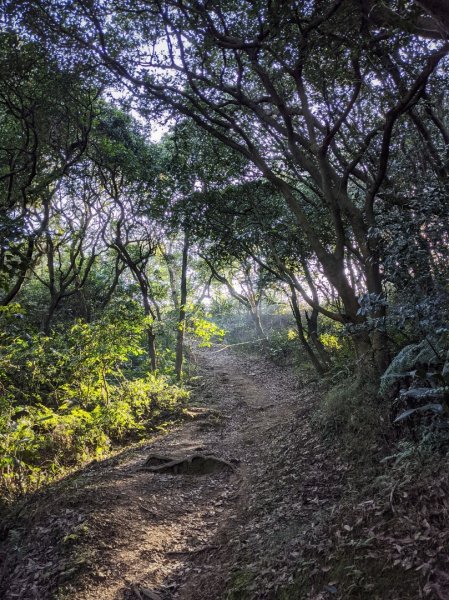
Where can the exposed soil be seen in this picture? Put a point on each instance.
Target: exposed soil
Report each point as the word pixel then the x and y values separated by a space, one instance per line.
pixel 277 516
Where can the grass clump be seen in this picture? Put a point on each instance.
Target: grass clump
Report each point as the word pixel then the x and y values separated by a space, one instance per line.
pixel 241 586
pixel 353 414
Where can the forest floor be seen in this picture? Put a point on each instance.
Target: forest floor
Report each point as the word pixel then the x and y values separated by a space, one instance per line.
pixel 286 520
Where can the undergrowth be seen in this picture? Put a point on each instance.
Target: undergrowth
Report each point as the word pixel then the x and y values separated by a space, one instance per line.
pixel 353 416
pixel 73 396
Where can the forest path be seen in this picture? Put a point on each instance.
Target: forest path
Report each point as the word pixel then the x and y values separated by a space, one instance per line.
pixel 158 531
pixel 133 534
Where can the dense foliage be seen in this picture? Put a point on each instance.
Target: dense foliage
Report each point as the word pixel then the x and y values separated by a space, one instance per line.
pixel 304 170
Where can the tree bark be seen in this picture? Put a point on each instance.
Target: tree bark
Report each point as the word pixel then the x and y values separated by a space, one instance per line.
pixel 151 340
pixel 255 316
pixel 182 309
pixel 151 337
pixel 312 330
pixel 172 279
pixel 48 317
pixel 302 338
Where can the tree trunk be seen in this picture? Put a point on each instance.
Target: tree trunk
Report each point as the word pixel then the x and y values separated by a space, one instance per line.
pixel 182 309
pixel 305 344
pixel 117 273
pixel 312 330
pixel 48 317
pixel 151 340
pixel 151 337
pixel 379 345
pixel 172 279
pixel 85 305
pixel 255 316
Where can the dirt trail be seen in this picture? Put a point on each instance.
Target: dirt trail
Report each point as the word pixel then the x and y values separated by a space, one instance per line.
pixel 119 533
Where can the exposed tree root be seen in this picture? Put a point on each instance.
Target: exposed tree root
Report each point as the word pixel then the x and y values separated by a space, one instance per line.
pixel 195 464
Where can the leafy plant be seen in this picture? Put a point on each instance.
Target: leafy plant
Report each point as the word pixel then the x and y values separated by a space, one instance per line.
pixel 418 377
pixel 71 396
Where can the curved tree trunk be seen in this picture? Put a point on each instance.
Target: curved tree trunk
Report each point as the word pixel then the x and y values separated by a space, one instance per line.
pixel 312 330
pixel 319 367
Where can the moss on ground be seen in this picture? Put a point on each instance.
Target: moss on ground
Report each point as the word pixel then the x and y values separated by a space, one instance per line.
pixel 239 586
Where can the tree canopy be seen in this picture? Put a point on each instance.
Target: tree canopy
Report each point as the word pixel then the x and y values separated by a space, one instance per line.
pixel 165 160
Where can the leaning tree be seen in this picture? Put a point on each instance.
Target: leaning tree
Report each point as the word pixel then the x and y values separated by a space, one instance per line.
pixel 311 93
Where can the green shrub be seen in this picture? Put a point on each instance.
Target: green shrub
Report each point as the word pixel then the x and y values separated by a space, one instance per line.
pixel 69 397
pixel 38 442
pixel 284 346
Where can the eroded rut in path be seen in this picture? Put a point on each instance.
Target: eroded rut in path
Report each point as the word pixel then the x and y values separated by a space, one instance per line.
pixel 140 534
